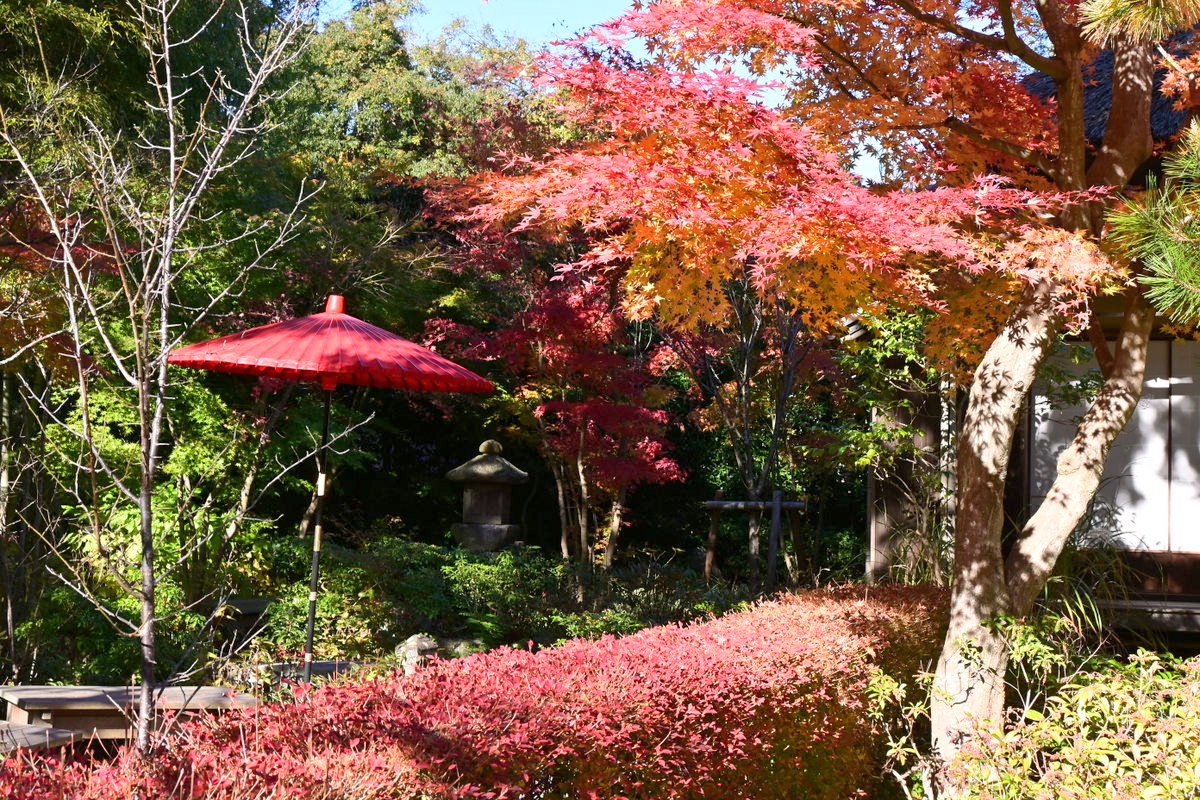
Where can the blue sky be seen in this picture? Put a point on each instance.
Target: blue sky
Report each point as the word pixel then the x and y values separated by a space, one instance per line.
pixel 536 21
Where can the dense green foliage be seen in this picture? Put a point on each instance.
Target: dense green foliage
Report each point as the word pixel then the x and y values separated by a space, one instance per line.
pixel 1161 229
pixel 1128 730
pixel 374 600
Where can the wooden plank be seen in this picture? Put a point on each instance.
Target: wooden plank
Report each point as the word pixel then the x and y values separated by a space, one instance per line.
pixel 107 712
pixel 1170 617
pixel 14 736
pixel 110 698
pixel 95 725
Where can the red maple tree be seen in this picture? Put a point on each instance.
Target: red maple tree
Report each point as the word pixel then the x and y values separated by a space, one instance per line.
pixel 688 180
pixel 580 386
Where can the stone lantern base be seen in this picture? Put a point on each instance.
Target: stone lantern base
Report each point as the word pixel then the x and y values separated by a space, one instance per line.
pixel 482 536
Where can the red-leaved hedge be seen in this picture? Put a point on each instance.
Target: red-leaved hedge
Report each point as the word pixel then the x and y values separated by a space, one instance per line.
pixel 765 703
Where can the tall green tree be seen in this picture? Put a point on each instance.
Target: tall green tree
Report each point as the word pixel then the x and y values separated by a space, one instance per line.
pixel 126 209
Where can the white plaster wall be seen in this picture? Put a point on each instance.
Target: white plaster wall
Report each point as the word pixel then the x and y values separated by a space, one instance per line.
pixel 1185 447
pixel 1133 507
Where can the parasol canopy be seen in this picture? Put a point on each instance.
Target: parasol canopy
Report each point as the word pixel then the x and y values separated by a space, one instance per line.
pixel 331 348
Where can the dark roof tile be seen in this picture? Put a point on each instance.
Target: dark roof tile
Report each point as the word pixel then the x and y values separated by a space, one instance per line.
pixel 1165 119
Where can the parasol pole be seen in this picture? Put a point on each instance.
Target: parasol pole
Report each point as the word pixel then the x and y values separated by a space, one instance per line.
pixel 322 483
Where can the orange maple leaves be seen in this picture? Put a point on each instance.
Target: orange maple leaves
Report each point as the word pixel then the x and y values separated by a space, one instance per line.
pixel 689 180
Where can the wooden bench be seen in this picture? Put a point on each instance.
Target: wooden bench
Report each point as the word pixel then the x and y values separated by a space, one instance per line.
pixel 108 712
pixel 32 737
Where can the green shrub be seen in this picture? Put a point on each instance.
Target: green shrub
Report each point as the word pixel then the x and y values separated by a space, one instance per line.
pixel 594 624
pixel 657 594
pixel 410 575
pixel 1131 730
pixel 372 600
pixel 507 596
pixel 87 647
pixel 352 621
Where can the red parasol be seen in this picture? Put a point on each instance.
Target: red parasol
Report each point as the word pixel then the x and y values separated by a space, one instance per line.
pixel 329 348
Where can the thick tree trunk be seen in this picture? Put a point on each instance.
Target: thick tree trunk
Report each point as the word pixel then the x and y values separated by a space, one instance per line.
pixel 1128 140
pixel 714 531
pixel 1081 465
pixel 305 528
pixel 753 546
pixel 969 686
pixel 582 511
pixel 969 683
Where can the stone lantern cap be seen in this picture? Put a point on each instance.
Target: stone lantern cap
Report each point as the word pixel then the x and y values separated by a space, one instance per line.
pixel 488 467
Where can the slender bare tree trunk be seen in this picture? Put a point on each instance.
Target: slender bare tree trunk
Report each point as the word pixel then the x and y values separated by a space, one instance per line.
pixel 564 522
pixel 614 529
pixel 147 634
pixel 139 223
pixel 6 457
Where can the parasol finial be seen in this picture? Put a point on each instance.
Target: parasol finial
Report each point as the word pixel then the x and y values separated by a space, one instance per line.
pixel 335 304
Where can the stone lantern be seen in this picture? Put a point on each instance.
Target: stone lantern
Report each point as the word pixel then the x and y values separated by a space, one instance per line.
pixel 487 498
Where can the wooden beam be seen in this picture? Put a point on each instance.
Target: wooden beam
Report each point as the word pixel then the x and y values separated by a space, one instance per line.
pixel 752 505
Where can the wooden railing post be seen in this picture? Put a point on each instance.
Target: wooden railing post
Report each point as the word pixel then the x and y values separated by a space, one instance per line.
pixel 756 508
pixel 773 539
pixel 714 528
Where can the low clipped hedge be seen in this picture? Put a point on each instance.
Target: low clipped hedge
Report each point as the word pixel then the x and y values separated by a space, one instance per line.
pixel 1129 731
pixel 769 702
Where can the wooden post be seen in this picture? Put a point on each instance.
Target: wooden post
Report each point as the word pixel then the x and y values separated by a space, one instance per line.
pixel 804 561
pixel 752 551
pixel 756 508
pixel 714 528
pixel 773 539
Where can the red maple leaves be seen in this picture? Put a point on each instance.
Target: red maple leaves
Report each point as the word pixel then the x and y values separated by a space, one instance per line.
pixel 686 180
